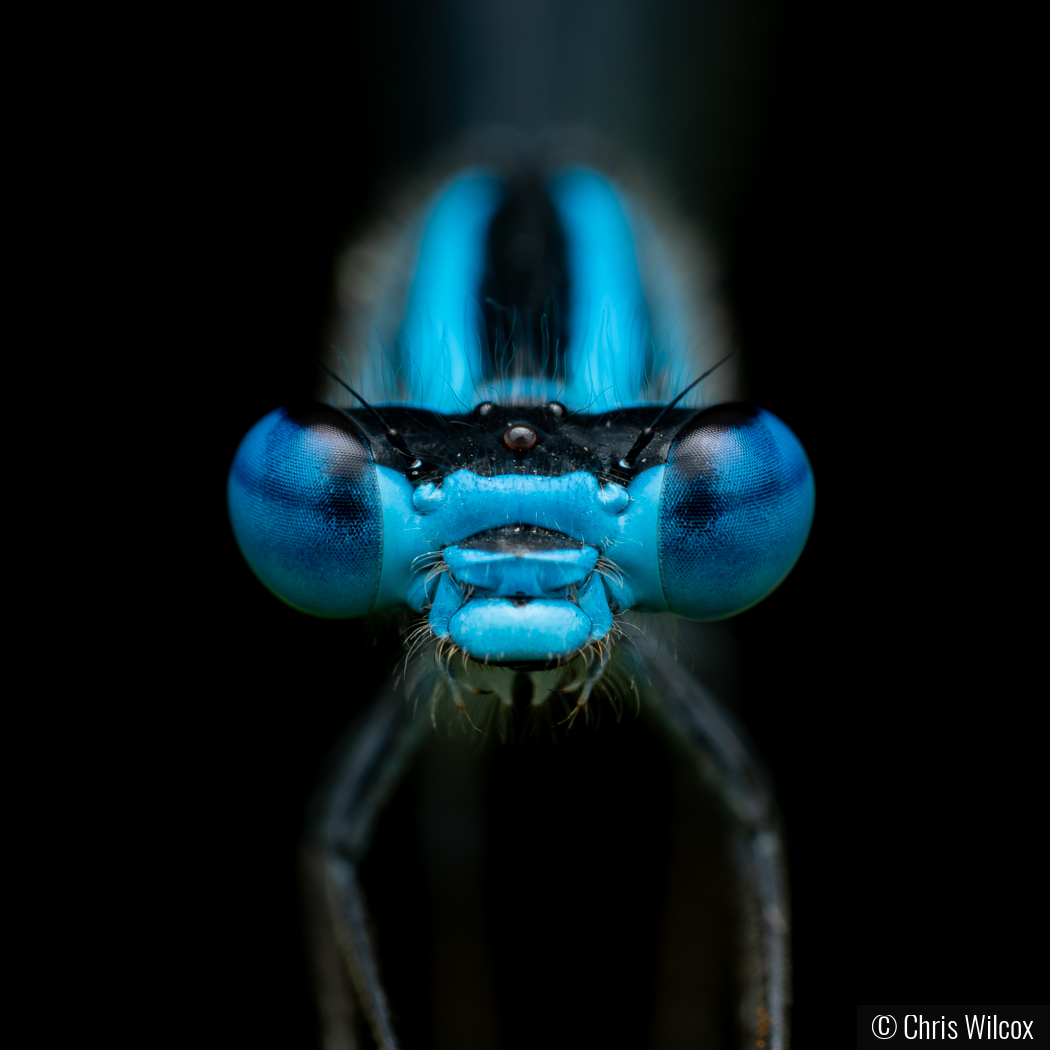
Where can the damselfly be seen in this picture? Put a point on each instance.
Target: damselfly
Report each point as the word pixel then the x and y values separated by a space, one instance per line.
pixel 528 440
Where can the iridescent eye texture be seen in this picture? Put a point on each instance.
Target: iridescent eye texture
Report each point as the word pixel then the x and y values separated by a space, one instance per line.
pixel 735 511
pixel 304 505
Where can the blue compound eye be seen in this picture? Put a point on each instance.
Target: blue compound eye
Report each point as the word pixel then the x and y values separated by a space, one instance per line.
pixel 735 510
pixel 304 503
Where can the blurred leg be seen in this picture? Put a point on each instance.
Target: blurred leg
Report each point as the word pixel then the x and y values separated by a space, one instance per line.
pixel 364 771
pixel 724 761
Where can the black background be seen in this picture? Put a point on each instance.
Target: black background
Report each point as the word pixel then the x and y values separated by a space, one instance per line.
pixel 877 681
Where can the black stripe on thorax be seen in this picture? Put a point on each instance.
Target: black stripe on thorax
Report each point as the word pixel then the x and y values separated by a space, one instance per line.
pixel 525 287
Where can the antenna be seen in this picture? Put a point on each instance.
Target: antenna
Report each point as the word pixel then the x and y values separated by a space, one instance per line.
pixel 389 432
pixel 643 439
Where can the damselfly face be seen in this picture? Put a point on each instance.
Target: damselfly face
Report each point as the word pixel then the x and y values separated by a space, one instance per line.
pixel 521 451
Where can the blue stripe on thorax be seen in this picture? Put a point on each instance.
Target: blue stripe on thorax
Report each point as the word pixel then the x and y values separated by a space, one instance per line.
pixel 439 337
pixel 608 315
